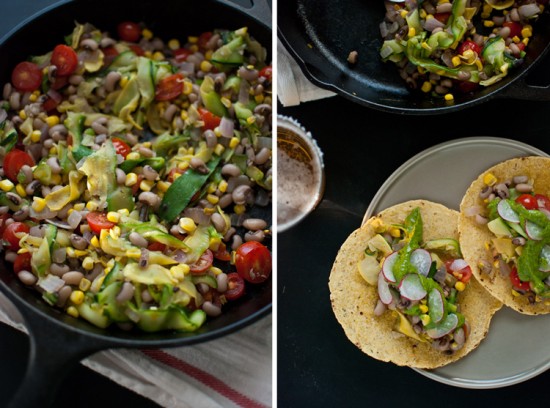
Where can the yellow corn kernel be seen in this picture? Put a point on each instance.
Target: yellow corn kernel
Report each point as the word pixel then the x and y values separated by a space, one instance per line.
pixel 460 286
pixel 214 243
pixel 80 252
pixel 147 144
pixel 179 271
pixel 53 151
pixel 55 179
pixel 78 206
pixel 52 120
pixel 84 284
pixel 456 61
pixel 426 46
pixel 184 165
pixel 94 241
pixel 527 31
pixel 215 270
pixel 133 156
pixel 38 204
pixel 403 13
pixel 209 210
pixel 259 98
pixel 239 208
pixel 395 232
pixel 515 293
pixel 146 185
pixel 115 232
pixel 412 32
pixel 488 23
pixel 516 39
pixel 163 186
pixel 35 136
pixel 123 81
pixel 73 311
pixel 425 319
pixel 146 33
pixel 113 216
pixel 23 114
pixel 479 64
pixel 219 149
pixel 20 190
pixel 217 131
pixel 158 56
pixel 206 66
pixel 193 48
pixel 91 205
pixel 226 102
pixel 234 142
pixel 378 225
pixel 23 250
pixel 489 179
pixel 77 297
pixel 131 179
pixel 449 97
pixel 187 224
pixel 222 186
pixel 525 41
pixel 174 44
pixel 133 253
pixel 212 199
pixel 426 86
pixel 192 39
pixel 124 211
pixel 423 308
pixel 187 88
pixel 148 54
pixel 6 185
pixel 251 119
pixel 423 14
pixel 88 263
pixel 33 97
pixel 208 55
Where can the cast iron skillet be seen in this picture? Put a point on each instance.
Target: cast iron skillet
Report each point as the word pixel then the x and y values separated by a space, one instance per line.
pixel 319 34
pixel 58 341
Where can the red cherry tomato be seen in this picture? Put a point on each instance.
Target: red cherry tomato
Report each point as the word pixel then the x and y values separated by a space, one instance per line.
pixel 466 86
pixel 65 59
pixel 135 187
pixel 59 83
pixel 53 99
pixel 222 253
pixel 170 87
pixel 204 38
pixel 528 201
pixel 469 45
pixel 109 54
pixel 26 76
pixel 266 72
pixel 442 17
pixel 156 246
pixel 181 54
pixel 516 282
pixel 98 221
pixel 3 225
pixel 235 286
pixel 253 262
pixel 22 262
pixel 210 120
pixel 10 232
pixel 137 50
pixel 121 147
pixel 14 160
pixel 515 28
pixel 203 263
pixel 543 201
pixel 129 31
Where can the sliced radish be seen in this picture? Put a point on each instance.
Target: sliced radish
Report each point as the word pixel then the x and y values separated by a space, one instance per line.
pixel 384 290
pixel 411 287
pixel 506 211
pixel 443 328
pixel 422 261
pixel 458 264
pixel 436 305
pixel 533 231
pixel 387 266
pixel 544 264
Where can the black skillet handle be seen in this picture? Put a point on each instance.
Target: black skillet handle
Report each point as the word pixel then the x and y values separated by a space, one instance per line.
pixel 54 352
pixel 260 10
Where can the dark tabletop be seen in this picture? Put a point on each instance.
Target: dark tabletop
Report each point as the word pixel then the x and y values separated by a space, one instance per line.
pixel 317 365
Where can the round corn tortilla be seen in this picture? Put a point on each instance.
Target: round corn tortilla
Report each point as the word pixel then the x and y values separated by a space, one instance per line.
pixel 474 237
pixel 353 299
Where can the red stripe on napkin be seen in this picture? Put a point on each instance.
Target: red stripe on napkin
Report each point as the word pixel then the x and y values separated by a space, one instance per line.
pixel 209 380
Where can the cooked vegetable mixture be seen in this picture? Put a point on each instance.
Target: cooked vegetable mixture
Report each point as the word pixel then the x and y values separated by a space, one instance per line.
pixel 446 46
pixel 419 282
pixel 135 174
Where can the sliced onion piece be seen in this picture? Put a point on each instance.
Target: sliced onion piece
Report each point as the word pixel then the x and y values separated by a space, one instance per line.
pixel 534 231
pixel 506 212
pixel 411 287
pixel 436 305
pixel 384 290
pixel 422 261
pixel 387 266
pixel 443 328
pixel 544 264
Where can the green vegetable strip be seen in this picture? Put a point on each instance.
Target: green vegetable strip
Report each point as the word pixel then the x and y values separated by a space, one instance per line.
pixel 413 227
pixel 181 191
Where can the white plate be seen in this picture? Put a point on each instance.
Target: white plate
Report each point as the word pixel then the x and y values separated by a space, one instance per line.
pixel 517 347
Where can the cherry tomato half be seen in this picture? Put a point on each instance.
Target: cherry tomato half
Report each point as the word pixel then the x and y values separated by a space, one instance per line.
pixel 210 120
pixel 253 262
pixel 515 28
pixel 14 160
pixel 181 54
pixel 156 246
pixel 235 286
pixel 65 59
pixel 469 45
pixel 442 17
pixel 10 231
pixel 22 262
pixel 266 72
pixel 26 76
pixel 516 282
pixel 98 221
pixel 170 87
pixel 222 253
pixel 543 201
pixel 203 263
pixel 528 201
pixel 109 54
pixel 129 31
pixel 137 50
pixel 204 38
pixel 121 147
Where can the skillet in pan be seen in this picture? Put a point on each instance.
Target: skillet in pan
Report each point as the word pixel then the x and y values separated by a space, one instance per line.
pixel 319 34
pixel 58 340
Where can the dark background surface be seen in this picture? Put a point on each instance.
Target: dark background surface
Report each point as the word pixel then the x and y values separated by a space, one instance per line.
pixel 317 365
pixel 82 387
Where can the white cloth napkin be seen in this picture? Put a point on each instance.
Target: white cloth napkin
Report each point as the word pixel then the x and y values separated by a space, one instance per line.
pixel 234 371
pixel 293 87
